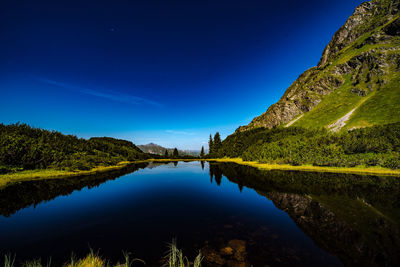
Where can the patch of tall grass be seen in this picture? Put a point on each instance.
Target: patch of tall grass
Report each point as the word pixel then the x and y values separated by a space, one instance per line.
pixel 175 257
pixel 9 260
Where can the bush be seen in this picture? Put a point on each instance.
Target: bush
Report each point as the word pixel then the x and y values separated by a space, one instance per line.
pixel 373 146
pixel 392 162
pixel 22 146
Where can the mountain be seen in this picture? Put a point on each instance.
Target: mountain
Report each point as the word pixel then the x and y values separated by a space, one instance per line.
pixel 153 149
pixel 356 82
pixel 345 112
pixel 159 150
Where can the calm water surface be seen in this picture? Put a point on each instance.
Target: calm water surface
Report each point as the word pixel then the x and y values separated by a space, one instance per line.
pixel 284 218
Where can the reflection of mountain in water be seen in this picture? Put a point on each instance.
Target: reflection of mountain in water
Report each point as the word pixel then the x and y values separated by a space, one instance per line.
pixel 25 194
pixel 354 217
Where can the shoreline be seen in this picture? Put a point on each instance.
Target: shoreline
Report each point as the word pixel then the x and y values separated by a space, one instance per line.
pixel 379 171
pixel 32 175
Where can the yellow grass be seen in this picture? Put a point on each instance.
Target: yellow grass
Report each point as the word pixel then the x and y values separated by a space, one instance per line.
pixel 30 175
pixel 90 261
pixel 10 178
pixel 7 179
pixel 287 167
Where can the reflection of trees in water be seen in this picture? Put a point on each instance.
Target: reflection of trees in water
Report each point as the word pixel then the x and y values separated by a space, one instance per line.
pixel 202 165
pixel 354 217
pixel 215 172
pixel 240 187
pixel 25 194
pixel 381 191
pixel 175 163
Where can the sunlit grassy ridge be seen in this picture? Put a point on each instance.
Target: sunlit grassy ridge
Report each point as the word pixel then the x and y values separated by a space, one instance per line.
pixel 332 107
pixel 379 106
pixel 361 59
pixel 383 107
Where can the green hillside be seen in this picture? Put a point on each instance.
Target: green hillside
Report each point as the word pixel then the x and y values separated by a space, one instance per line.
pixel 344 112
pixel 25 148
pixel 357 81
pixel 375 95
pixel 378 145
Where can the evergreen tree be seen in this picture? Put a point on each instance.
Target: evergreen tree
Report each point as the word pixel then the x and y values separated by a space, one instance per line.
pixel 202 152
pixel 175 153
pixel 217 142
pixel 166 153
pixel 210 145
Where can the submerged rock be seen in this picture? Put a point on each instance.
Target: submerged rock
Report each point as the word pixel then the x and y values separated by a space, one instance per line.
pixel 239 249
pixel 226 251
pixel 234 254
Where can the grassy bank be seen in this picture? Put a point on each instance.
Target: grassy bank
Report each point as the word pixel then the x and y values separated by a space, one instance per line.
pixel 11 178
pixel 310 168
pixel 29 175
pixel 40 174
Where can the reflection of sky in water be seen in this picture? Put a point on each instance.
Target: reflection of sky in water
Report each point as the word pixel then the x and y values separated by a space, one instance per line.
pixel 149 201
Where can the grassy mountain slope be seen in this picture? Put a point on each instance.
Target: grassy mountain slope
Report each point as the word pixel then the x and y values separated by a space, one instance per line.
pixel 154 149
pixel 357 81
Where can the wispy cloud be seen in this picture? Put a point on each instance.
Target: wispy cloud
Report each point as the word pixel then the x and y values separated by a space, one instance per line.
pixel 110 95
pixel 179 132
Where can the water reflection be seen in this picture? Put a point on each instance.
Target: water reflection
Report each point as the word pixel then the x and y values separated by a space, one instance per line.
pixel 25 194
pixel 351 216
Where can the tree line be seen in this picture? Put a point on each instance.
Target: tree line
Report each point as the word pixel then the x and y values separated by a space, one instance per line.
pixel 175 153
pixel 372 146
pixel 214 144
pixel 23 147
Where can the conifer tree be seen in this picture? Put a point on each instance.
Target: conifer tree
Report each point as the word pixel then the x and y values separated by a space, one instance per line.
pixel 166 153
pixel 175 153
pixel 217 142
pixel 202 152
pixel 210 145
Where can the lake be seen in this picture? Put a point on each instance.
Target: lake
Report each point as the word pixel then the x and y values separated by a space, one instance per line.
pixel 277 218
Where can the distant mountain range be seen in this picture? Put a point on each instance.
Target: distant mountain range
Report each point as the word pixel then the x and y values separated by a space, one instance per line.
pixel 160 150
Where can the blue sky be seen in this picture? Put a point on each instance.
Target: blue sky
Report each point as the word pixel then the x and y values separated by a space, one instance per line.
pixel 168 72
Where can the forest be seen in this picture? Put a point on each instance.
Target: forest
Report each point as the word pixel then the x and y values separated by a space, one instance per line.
pixel 372 146
pixel 23 147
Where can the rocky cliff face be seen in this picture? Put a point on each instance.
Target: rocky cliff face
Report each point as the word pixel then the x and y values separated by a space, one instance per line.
pixel 360 59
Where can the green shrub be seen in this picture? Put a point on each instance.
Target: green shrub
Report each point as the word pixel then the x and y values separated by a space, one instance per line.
pixel 373 146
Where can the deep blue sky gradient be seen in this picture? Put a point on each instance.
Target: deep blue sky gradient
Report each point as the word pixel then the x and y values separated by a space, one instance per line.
pixel 168 72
